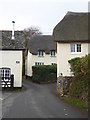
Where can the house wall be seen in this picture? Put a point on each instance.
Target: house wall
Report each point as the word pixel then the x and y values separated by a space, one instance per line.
pixel 64 54
pixel 9 59
pixel 31 59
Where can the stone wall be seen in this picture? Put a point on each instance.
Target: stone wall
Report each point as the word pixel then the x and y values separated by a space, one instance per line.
pixel 63 84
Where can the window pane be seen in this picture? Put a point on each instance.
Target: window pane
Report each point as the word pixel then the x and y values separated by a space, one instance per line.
pixel 40 53
pixel 78 47
pixel 52 52
pixel 35 63
pixel 42 63
pixel 72 47
pixel 7 73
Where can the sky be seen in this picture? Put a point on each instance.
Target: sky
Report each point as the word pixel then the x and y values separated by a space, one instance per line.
pixel 43 14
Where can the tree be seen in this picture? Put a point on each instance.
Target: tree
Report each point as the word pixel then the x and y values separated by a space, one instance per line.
pixel 29 33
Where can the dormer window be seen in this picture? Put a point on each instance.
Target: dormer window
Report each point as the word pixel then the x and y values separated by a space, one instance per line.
pixel 52 53
pixel 40 53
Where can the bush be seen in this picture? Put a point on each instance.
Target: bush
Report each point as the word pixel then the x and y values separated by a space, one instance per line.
pixel 80 65
pixel 44 73
pixel 79 85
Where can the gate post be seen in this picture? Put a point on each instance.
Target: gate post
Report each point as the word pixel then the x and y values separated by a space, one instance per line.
pixel 12 80
pixel 60 85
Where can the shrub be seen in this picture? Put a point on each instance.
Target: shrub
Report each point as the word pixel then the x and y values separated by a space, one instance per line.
pixel 75 65
pixel 79 86
pixel 44 73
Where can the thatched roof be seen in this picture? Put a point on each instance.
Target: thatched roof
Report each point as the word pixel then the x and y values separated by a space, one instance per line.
pixel 73 27
pixel 7 43
pixel 41 42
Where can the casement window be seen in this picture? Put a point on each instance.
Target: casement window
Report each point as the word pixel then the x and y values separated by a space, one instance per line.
pixel 40 53
pixel 52 53
pixel 76 48
pixel 5 73
pixel 39 63
pixel 53 63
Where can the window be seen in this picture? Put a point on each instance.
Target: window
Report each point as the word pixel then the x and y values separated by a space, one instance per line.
pixel 35 64
pixel 72 47
pixel 5 72
pixel 53 63
pixel 1 73
pixel 40 53
pixel 39 63
pixel 76 48
pixel 52 53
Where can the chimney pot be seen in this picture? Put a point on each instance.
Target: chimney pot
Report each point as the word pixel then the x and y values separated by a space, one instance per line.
pixel 13 37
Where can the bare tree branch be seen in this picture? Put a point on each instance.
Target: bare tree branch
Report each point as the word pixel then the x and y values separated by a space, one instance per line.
pixel 29 33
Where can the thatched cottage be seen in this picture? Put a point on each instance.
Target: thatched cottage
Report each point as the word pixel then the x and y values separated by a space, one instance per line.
pixel 41 51
pixel 71 36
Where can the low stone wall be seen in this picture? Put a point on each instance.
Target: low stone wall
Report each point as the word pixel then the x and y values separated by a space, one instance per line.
pixel 63 83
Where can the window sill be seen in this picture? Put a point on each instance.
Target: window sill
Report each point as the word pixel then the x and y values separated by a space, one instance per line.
pixel 40 56
pixel 52 56
pixel 73 53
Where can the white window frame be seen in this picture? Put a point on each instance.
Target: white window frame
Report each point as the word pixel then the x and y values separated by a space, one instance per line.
pixel 52 55
pixel 39 63
pixel 41 53
pixel 53 63
pixel 5 72
pixel 75 44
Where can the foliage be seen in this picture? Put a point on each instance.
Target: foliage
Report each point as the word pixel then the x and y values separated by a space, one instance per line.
pixel 79 85
pixel 75 65
pixel 29 32
pixel 76 102
pixel 44 73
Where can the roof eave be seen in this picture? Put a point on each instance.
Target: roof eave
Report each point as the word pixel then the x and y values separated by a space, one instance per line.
pixel 69 41
pixel 13 49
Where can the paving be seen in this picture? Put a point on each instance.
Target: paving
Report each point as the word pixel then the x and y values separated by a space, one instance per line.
pixel 38 101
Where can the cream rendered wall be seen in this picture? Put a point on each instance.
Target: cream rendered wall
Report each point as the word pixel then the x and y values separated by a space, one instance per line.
pixel 28 67
pixel 9 59
pixel 31 59
pixel 64 54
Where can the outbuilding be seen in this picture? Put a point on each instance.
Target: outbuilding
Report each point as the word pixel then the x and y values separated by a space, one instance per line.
pixel 11 58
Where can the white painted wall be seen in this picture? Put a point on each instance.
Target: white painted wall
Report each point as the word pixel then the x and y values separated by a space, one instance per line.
pixel 64 54
pixel 31 59
pixel 8 59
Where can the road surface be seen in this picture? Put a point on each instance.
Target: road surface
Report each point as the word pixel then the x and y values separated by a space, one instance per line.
pixel 38 101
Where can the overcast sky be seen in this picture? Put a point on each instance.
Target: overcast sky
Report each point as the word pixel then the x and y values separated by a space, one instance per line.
pixel 44 14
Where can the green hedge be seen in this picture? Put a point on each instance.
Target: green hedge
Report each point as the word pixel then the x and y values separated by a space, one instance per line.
pixel 44 73
pixel 81 69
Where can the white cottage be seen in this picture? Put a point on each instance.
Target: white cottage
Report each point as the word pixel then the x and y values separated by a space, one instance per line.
pixel 11 58
pixel 71 36
pixel 41 51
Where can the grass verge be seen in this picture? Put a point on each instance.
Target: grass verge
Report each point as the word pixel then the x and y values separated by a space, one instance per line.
pixel 76 102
